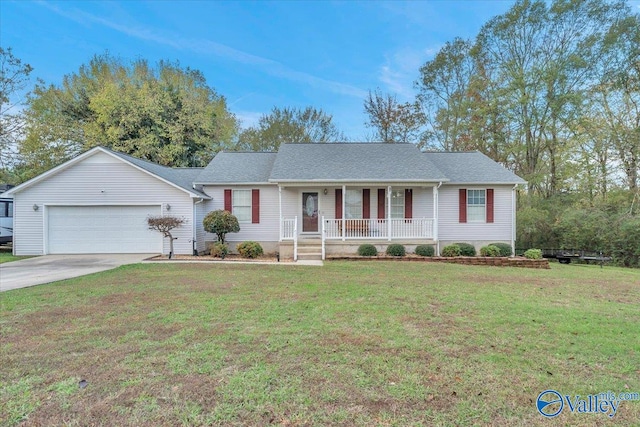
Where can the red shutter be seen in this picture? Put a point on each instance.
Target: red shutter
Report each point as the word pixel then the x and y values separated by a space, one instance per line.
pixel 338 203
pixel 366 203
pixel 227 200
pixel 408 203
pixel 489 204
pixel 462 202
pixel 255 206
pixel 381 205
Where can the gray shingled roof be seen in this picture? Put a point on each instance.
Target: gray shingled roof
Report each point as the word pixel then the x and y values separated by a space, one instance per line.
pixel 237 167
pixel 182 177
pixel 353 162
pixel 472 167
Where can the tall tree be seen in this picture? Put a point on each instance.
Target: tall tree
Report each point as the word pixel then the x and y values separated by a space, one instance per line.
pixel 444 93
pixel 393 121
pixel 290 125
pixel 163 113
pixel 14 77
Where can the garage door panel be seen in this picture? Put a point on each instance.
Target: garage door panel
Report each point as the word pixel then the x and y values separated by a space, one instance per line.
pixel 102 229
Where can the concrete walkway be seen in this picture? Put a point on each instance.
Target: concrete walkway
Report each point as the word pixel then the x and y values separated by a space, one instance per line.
pixel 50 268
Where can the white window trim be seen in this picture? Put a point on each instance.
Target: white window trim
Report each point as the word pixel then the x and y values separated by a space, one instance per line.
pixel 234 206
pixel 349 205
pixel 403 204
pixel 484 206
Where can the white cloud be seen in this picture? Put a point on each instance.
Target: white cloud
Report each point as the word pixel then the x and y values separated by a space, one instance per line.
pixel 209 47
pixel 401 69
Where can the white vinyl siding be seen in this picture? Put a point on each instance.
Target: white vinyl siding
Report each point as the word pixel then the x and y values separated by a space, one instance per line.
pixel 99 180
pixel 353 204
pixel 201 211
pixel 451 229
pixel 476 205
pixel 241 207
pixel 268 230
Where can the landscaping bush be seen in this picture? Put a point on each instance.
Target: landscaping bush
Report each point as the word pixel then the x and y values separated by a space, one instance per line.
pixel 533 254
pixel 396 250
pixel 425 250
pixel 367 250
pixel 466 249
pixel 451 250
pixel 221 223
pixel 250 249
pixel 219 250
pixel 505 248
pixel 490 250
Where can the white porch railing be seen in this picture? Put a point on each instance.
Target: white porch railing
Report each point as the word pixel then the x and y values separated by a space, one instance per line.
pixel 397 228
pixel 290 232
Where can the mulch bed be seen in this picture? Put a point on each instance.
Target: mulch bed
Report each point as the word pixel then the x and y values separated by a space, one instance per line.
pixel 231 257
pixel 466 260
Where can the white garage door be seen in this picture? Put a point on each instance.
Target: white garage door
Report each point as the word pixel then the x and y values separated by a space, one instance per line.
pixel 102 229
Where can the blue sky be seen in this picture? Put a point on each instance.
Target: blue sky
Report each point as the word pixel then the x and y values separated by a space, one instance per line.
pixel 327 54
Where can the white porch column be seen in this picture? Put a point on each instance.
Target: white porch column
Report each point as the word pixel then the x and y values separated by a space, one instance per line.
pixel 344 212
pixel 389 213
pixel 280 210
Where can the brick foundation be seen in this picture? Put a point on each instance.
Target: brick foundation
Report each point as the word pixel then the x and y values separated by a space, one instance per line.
pixel 466 260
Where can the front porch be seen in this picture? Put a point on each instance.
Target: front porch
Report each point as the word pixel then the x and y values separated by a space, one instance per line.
pixel 343 236
pixel 337 219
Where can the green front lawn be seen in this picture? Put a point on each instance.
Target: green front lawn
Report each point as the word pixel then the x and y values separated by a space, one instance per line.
pixel 8 257
pixel 389 343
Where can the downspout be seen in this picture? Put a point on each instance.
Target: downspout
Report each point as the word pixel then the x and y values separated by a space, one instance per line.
pixel 436 216
pixel 195 231
pixel 280 212
pixel 513 219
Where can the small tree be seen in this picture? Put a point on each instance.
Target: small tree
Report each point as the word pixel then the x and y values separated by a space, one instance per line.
pixel 220 223
pixel 164 224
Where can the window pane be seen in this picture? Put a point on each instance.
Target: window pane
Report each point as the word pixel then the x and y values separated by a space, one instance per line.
pixel 10 209
pixel 475 213
pixel 476 205
pixel 243 213
pixel 353 204
pixel 3 209
pixel 242 205
pixel 397 204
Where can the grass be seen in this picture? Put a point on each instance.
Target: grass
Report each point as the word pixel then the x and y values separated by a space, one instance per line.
pixel 387 343
pixel 7 256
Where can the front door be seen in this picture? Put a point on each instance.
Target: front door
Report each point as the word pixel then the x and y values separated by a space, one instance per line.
pixel 310 212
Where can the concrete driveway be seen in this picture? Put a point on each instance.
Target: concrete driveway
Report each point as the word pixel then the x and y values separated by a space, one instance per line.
pixel 50 268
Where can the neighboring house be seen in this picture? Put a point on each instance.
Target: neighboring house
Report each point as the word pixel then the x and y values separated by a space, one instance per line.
pixel 307 199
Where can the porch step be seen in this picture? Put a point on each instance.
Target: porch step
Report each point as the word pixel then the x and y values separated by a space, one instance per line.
pixel 310 249
pixel 310 256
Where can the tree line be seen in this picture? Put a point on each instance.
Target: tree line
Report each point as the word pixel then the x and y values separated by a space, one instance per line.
pixel 549 89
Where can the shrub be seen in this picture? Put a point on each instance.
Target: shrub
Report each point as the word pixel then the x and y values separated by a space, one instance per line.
pixel 396 250
pixel 451 250
pixel 425 250
pixel 467 249
pixel 490 250
pixel 505 248
pixel 220 223
pixel 219 250
pixel 367 250
pixel 250 249
pixel 533 254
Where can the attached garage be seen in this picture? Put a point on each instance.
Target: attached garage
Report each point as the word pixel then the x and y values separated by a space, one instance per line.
pixel 99 201
pixel 101 229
